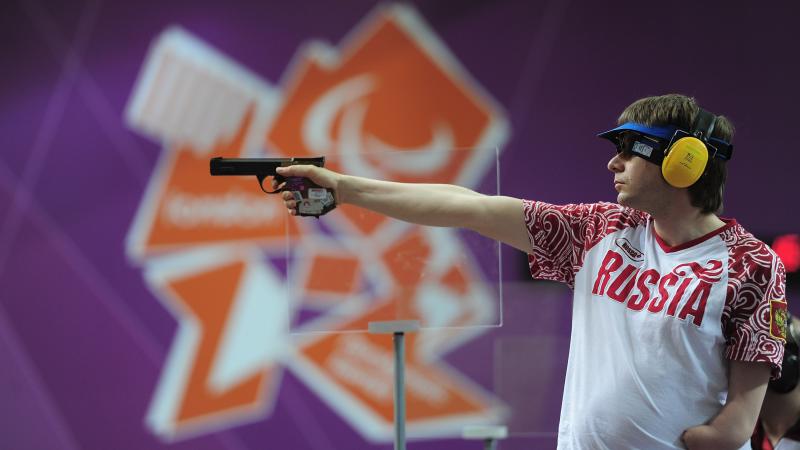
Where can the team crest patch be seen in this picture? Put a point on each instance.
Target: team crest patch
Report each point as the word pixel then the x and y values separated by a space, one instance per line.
pixel 778 316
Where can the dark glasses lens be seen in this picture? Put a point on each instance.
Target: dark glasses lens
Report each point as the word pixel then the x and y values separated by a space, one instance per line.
pixel 625 141
pixel 631 143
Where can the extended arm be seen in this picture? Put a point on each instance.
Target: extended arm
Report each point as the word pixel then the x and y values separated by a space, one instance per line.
pixel 440 205
pixel 734 424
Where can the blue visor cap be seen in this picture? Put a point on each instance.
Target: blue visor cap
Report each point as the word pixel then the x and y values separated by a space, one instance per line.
pixel 651 143
pixel 663 135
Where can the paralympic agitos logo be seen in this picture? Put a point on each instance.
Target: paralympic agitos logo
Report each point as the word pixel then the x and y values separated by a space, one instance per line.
pixel 211 252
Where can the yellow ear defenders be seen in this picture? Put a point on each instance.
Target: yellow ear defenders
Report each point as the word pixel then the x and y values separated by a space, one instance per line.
pixel 687 156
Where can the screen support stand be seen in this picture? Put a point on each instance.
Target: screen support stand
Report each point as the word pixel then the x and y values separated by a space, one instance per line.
pixel 398 329
pixel 488 434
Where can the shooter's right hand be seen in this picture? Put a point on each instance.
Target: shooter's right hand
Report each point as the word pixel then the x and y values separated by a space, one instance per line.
pixel 320 176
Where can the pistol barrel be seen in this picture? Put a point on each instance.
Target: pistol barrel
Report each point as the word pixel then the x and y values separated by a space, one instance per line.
pixel 257 166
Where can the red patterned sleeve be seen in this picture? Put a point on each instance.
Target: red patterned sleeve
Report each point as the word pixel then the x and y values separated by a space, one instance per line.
pixel 754 316
pixel 561 235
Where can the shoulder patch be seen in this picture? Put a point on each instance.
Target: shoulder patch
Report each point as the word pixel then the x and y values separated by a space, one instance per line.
pixel 778 315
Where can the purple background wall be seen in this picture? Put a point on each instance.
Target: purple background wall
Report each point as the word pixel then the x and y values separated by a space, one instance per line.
pixel 82 340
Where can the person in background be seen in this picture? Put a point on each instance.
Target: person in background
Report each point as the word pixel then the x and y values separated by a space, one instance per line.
pixel 778 426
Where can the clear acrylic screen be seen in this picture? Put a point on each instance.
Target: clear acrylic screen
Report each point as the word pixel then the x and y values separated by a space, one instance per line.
pixel 351 266
pixel 530 360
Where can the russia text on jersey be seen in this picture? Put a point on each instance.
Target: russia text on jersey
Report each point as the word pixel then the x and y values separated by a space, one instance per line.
pixel 632 286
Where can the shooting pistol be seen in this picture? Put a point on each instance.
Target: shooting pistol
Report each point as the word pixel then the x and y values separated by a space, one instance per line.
pixel 312 200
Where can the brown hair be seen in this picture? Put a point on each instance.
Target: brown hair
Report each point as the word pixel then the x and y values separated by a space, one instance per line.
pixel 680 111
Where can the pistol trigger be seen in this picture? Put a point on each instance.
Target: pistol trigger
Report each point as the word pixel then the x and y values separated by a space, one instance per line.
pixel 261 178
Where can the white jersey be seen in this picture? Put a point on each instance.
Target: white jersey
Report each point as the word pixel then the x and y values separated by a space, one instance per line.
pixel 653 326
pixel 787 444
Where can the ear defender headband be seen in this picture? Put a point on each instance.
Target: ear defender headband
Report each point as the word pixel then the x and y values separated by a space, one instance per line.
pixel 790 370
pixel 683 155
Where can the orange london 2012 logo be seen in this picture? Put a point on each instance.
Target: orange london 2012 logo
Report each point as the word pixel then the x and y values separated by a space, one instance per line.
pixel 391 102
pixel 392 89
